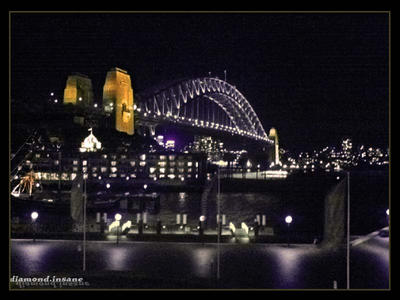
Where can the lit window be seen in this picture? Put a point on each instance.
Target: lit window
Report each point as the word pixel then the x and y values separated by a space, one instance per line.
pixel 133 163
pixel 103 169
pixel 162 170
pixel 142 157
pixel 113 163
pixel 75 162
pixel 142 163
pixel 189 163
pixel 152 169
pixel 190 170
pixel 162 163
pixel 180 170
pixel 162 157
pixel 84 163
pixel 171 157
pixel 113 169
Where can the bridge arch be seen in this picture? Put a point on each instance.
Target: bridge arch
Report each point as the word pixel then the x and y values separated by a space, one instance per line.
pixel 176 103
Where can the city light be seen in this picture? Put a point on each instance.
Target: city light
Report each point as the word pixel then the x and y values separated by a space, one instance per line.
pixel 117 217
pixel 288 219
pixel 34 215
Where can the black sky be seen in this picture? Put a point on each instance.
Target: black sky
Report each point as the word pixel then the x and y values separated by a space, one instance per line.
pixel 315 77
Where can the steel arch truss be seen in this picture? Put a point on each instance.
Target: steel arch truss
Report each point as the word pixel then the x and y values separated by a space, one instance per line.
pixel 177 103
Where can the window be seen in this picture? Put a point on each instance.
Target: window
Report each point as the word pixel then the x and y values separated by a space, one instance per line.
pixel 162 157
pixel 113 163
pixel 142 163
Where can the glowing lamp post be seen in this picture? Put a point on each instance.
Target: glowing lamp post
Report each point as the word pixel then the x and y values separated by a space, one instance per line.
pixel 34 216
pixel 117 218
pixel 202 219
pixel 288 220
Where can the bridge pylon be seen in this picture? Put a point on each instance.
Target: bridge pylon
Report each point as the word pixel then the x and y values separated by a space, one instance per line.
pixel 118 99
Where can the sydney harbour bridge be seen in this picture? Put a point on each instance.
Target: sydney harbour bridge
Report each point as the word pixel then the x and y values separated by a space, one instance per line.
pixel 207 103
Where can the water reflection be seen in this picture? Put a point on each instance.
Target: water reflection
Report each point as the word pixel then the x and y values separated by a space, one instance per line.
pixel 34 255
pixel 117 258
pixel 203 259
pixel 289 263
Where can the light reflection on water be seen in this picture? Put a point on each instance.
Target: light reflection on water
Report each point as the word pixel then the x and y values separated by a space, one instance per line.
pixel 34 255
pixel 203 259
pixel 289 261
pixel 117 258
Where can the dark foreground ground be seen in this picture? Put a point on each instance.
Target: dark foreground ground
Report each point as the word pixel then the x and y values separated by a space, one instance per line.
pixel 167 265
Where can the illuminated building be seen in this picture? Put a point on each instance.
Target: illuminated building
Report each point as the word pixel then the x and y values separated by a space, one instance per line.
pixel 78 90
pixel 170 145
pixel 90 144
pixel 118 99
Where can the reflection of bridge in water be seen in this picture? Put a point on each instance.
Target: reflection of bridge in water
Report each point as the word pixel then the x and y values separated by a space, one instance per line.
pixel 204 103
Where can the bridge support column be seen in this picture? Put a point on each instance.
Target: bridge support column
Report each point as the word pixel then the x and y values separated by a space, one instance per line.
pixel 147 129
pixel 152 130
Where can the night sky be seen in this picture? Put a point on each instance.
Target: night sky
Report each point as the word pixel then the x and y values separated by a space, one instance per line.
pixel 314 77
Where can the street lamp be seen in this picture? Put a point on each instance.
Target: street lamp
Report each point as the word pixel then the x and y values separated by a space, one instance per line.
pixel 117 218
pixel 288 220
pixel 201 229
pixel 34 216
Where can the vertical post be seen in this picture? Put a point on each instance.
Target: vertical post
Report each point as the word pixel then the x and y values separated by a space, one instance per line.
pixel 218 224
pixel 348 230
pixel 59 174
pixel 84 226
pixel 117 232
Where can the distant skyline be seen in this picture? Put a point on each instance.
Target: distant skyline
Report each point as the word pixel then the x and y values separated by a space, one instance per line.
pixel 314 77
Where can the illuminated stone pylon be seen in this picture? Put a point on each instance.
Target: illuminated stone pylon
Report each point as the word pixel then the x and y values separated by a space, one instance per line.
pixel 78 90
pixel 273 135
pixel 118 99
